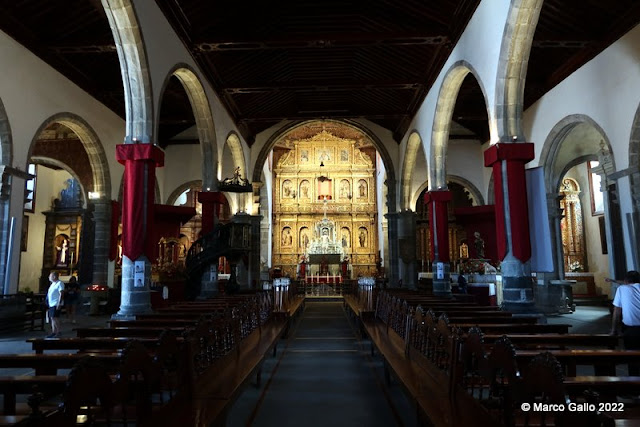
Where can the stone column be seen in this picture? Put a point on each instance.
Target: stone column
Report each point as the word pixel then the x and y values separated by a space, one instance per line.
pixel 140 162
pixel 512 222
pixel 12 185
pixel 407 248
pixel 394 266
pixel 436 202
pixel 102 220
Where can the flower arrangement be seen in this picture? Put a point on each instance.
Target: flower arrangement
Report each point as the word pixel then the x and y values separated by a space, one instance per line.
pixel 472 266
pixel 575 267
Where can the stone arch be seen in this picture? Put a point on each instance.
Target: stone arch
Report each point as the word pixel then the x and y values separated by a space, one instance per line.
pixel 414 143
pixel 204 120
pixel 474 192
pixel 442 121
pixel 181 189
pixel 46 161
pixel 554 142
pixel 384 154
pixel 634 162
pixel 237 153
pixel 6 144
pixel 134 67
pixel 512 67
pixel 92 145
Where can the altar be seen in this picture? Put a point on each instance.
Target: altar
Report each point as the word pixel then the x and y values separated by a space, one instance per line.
pixel 324 259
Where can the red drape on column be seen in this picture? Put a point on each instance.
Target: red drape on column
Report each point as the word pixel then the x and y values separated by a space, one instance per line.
pixel 211 203
pixel 516 155
pixel 115 220
pixel 140 161
pixel 436 202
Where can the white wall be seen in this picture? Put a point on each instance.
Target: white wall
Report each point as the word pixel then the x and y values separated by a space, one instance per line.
pixel 184 164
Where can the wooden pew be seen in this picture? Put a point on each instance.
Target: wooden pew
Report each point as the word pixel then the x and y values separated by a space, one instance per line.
pixel 120 332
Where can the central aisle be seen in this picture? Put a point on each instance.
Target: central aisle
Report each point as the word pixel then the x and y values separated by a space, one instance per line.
pixel 322 378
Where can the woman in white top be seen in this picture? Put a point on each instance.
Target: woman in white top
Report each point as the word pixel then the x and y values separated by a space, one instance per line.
pixel 54 303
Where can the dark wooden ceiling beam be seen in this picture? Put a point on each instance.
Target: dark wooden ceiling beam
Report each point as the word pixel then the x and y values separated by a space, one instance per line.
pixel 83 49
pixel 321 41
pixel 322 86
pixel 324 114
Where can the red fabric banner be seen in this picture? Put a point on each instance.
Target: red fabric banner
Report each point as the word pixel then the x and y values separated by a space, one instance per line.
pixel 516 155
pixel 438 224
pixel 115 221
pixel 140 161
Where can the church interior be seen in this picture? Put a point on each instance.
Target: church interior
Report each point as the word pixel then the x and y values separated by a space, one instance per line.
pixel 383 212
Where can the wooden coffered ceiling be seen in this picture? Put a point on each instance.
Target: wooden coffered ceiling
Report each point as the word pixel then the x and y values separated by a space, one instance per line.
pixel 274 61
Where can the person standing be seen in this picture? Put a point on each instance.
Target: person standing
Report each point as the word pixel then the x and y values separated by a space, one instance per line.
pixel 54 303
pixel 626 308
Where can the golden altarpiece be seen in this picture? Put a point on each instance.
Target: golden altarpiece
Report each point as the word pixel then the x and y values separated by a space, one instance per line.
pixel 324 197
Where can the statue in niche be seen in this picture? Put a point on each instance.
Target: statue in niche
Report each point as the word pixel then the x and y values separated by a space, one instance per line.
pixel 304 156
pixel 304 189
pixel 479 245
pixel 287 237
pixel 346 238
pixel 362 189
pixel 344 189
pixel 287 189
pixel 62 251
pixel 362 237
pixel 304 238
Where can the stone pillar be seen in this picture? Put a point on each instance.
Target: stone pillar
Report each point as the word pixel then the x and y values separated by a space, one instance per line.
pixel 140 162
pixel 102 240
pixel 512 222
pixel 394 265
pixel 553 293
pixel 407 248
pixel 12 185
pixel 436 202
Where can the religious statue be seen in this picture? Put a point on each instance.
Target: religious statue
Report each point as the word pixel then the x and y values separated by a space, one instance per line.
pixel 304 240
pixel 479 245
pixel 362 188
pixel 236 175
pixel 62 254
pixel 286 188
pixel 304 189
pixel 287 238
pixel 344 189
pixel 362 237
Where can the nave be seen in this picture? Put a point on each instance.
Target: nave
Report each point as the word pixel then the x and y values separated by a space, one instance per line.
pixel 323 376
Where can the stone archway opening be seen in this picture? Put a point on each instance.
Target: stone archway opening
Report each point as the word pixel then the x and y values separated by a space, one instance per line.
pixel 71 187
pixel 584 218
